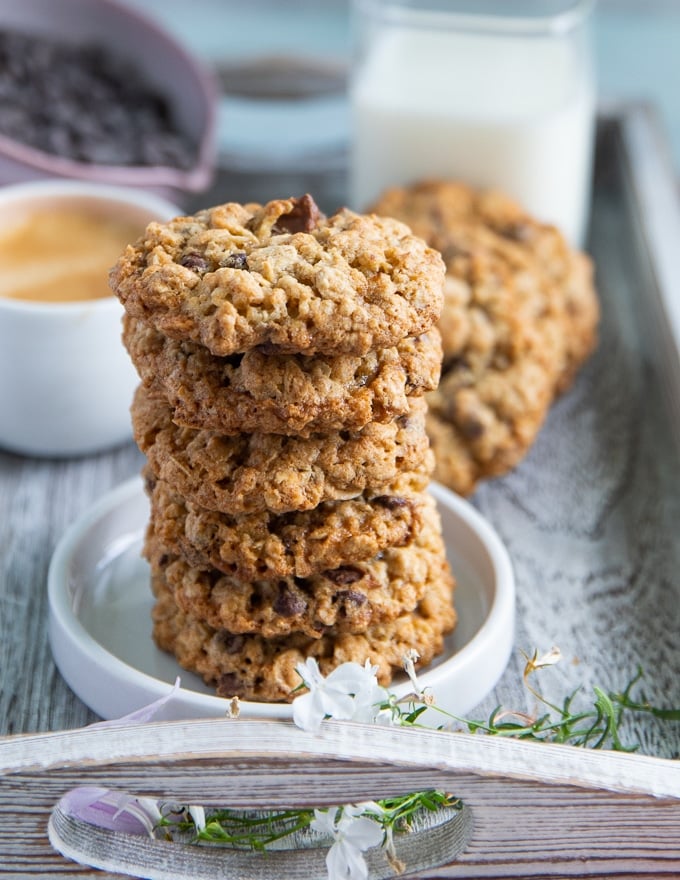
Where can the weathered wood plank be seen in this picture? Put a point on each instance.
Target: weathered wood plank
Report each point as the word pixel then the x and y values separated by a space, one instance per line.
pixel 536 809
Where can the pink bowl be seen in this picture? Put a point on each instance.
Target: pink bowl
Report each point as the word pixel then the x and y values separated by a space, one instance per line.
pixel 165 65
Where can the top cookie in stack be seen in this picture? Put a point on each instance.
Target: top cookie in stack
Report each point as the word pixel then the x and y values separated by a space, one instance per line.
pixel 520 317
pixel 284 357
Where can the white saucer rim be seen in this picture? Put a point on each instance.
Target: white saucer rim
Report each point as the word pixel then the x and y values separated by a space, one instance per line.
pixel 497 627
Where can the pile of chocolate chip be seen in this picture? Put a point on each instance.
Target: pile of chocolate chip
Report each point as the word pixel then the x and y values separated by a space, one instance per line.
pixel 83 103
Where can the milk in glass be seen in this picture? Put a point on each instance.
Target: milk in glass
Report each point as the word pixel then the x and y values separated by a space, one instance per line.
pixel 493 109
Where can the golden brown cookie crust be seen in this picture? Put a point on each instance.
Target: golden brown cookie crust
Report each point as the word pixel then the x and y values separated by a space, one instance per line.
pixel 281 276
pixel 295 544
pixel 255 668
pixel 250 473
pixel 282 394
pixel 520 317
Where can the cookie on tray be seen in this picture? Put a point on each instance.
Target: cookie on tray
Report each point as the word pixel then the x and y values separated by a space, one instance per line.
pixel 251 473
pixel 463 223
pixel 520 316
pixel 294 544
pixel 283 277
pixel 348 598
pixel 256 668
pixel 282 394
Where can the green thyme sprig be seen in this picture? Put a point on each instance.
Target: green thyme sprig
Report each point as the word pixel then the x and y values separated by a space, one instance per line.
pixel 249 830
pixel 596 725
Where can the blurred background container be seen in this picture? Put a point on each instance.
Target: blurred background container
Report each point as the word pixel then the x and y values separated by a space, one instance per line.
pixel 283 123
pixel 94 90
pixel 636 51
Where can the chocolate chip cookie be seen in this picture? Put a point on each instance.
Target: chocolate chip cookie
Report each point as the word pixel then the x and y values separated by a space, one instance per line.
pixel 520 317
pixel 348 598
pixel 295 544
pixel 282 394
pixel 283 277
pixel 256 668
pixel 251 473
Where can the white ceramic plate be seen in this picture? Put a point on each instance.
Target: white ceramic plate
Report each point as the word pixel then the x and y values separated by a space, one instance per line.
pixel 100 624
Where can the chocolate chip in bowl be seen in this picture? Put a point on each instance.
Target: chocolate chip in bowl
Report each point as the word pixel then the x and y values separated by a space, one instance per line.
pixel 99 92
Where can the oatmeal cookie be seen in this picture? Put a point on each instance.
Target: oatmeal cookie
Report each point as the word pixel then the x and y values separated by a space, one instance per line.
pixel 348 598
pixel 251 473
pixel 284 277
pixel 520 316
pixel 256 668
pixel 463 224
pixel 282 394
pixel 295 544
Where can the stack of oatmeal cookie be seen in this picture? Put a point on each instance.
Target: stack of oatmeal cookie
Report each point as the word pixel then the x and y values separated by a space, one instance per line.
pixel 284 359
pixel 519 318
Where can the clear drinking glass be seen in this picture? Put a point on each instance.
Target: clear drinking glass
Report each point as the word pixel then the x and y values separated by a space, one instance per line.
pixel 494 93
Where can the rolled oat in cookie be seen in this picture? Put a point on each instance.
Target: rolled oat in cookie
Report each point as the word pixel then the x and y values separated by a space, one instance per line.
pixel 256 668
pixel 295 544
pixel 252 473
pixel 283 277
pixel 282 394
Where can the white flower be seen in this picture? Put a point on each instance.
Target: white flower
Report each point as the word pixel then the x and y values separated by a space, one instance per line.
pixel 349 692
pixel 554 655
pixel 198 815
pixel 352 835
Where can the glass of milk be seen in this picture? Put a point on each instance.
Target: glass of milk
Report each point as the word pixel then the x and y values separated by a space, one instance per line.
pixel 490 92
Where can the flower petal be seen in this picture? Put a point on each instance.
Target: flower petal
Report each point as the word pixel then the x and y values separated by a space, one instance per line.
pixel 307 713
pixel 363 833
pixel 198 815
pixel 145 713
pixel 309 672
pixel 113 810
pixel 351 677
pixel 324 821
pixel 354 863
pixel 335 703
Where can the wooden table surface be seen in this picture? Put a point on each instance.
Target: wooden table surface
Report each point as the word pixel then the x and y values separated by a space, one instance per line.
pixel 590 519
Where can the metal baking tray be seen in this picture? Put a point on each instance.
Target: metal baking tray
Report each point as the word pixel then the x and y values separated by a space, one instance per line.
pixel 591 515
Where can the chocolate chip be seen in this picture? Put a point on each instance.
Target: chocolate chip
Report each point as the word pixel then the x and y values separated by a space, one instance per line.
pixel 348 574
pixel 352 596
pixel 228 685
pixel 237 260
pixel 271 348
pixel 79 101
pixel 391 502
pixel 231 643
pixel 517 231
pixel 452 251
pixel 303 217
pixel 194 261
pixel 287 604
pixel 455 364
pixel 232 360
pixel 471 428
pixel 149 481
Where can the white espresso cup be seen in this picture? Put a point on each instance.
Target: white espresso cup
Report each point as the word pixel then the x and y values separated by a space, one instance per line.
pixel 66 381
